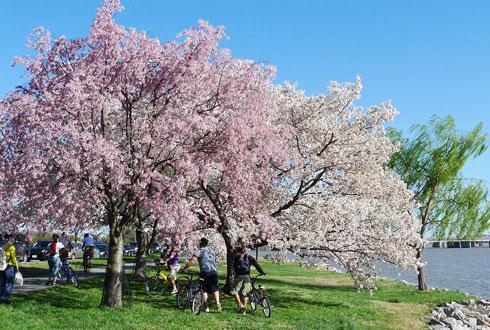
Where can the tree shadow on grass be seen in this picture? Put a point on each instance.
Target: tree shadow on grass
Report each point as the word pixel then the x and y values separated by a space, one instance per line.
pixel 308 286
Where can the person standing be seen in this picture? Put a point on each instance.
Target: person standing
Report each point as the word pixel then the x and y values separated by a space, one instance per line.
pixel 242 286
pixel 65 240
pixel 54 261
pixel 7 277
pixel 208 272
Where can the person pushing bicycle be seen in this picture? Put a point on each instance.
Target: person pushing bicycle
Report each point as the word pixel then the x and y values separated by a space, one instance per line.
pixel 208 272
pixel 242 286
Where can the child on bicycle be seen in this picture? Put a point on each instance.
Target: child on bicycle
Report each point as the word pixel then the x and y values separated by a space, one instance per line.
pixel 243 285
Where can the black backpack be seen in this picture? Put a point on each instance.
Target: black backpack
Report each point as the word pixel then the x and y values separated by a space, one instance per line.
pixel 243 265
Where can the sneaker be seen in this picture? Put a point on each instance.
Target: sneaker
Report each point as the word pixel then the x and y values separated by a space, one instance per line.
pixel 244 311
pixel 174 292
pixel 205 310
pixel 48 283
pixel 218 308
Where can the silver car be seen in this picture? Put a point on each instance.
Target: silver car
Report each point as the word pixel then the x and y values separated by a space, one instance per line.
pixel 76 251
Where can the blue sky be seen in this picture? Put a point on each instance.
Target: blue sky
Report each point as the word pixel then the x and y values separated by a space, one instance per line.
pixel 427 57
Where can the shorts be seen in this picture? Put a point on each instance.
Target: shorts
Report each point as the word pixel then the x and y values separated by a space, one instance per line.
pixel 242 285
pixel 173 271
pixel 210 284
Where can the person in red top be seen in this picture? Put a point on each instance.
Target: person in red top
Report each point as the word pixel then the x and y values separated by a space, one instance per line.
pixel 54 261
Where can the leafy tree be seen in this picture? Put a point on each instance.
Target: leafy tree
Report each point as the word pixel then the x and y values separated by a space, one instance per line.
pixel 430 161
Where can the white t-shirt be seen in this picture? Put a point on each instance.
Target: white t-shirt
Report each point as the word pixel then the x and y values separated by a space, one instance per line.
pixel 59 246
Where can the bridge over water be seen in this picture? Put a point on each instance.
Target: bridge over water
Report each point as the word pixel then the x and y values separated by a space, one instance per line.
pixel 481 242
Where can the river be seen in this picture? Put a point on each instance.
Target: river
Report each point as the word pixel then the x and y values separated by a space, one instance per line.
pixel 465 270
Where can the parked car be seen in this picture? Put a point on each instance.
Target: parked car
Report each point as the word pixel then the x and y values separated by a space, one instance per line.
pixel 155 248
pixel 77 253
pixel 103 249
pixel 130 249
pixel 39 250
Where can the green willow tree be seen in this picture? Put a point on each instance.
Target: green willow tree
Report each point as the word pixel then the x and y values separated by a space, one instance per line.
pixel 430 161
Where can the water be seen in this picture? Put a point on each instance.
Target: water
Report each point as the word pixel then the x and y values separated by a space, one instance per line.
pixel 465 270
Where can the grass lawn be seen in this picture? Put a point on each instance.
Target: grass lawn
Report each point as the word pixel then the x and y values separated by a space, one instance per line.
pixel 301 299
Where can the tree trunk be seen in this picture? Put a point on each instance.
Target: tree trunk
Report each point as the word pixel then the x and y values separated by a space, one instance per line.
pixel 113 286
pixel 230 271
pixel 140 267
pixel 421 279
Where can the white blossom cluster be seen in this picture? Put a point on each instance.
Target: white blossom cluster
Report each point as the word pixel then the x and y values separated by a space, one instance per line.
pixel 342 203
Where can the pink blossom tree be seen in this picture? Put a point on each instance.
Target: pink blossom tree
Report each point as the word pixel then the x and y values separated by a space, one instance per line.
pixel 325 194
pixel 117 124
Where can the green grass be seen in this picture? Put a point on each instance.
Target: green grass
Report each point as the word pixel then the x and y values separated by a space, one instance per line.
pixel 301 299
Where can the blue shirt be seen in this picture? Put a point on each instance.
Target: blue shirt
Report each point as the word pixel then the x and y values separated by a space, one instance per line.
pixel 88 241
pixel 207 261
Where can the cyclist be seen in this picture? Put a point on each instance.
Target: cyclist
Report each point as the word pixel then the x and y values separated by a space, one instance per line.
pixel 88 247
pixel 208 272
pixel 242 285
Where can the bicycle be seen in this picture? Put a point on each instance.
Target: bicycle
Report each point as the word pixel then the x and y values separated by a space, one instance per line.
pixel 155 285
pixel 191 294
pixel 87 260
pixel 256 296
pixel 67 272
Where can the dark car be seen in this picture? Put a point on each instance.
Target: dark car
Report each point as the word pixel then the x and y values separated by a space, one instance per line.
pixel 39 250
pixel 103 252
pixel 130 249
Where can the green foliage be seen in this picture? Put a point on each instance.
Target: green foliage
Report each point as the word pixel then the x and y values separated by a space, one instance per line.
pixel 430 162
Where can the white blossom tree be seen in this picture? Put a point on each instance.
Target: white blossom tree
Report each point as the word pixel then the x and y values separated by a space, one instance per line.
pixel 336 199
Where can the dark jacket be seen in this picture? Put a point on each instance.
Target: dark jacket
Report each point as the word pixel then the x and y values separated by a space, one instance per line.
pixel 252 262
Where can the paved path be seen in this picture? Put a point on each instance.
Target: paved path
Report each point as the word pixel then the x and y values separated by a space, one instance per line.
pixel 39 283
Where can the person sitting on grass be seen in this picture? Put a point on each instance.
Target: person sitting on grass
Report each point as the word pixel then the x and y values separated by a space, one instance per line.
pixel 7 276
pixel 208 272
pixel 173 265
pixel 243 285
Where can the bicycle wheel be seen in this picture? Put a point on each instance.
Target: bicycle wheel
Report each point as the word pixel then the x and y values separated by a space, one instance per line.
pixel 266 307
pixel 197 302
pixel 85 265
pixel 183 297
pixel 73 278
pixel 253 301
pixel 154 286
